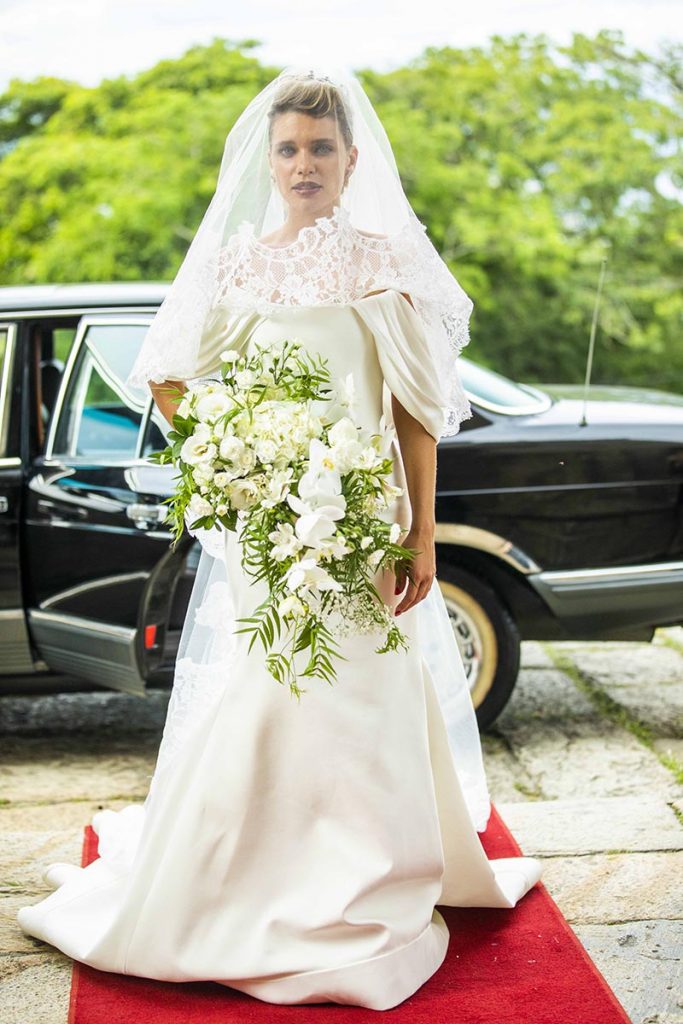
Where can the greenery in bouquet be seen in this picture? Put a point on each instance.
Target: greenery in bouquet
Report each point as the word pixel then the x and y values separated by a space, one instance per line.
pixel 270 451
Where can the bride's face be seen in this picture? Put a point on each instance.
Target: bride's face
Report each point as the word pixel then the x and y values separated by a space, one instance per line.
pixel 309 149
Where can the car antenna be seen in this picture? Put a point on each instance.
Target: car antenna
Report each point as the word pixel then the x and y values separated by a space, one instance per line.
pixel 591 344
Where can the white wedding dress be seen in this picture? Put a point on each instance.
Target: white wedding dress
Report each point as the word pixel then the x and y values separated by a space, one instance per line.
pixel 296 851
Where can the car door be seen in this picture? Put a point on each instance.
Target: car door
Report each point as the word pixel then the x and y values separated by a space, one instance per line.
pixel 93 533
pixel 14 638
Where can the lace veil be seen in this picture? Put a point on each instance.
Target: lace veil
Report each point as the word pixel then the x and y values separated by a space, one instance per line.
pixel 370 240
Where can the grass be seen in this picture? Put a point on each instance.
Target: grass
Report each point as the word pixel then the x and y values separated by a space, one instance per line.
pixel 613 710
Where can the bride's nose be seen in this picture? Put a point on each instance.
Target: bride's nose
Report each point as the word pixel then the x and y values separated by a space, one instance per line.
pixel 306 164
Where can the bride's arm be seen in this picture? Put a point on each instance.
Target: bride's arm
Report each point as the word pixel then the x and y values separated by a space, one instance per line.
pixel 166 398
pixel 418 451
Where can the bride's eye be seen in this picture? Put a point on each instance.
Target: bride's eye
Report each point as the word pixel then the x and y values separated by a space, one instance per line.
pixel 322 145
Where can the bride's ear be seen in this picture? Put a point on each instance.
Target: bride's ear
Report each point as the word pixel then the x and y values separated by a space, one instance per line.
pixel 353 151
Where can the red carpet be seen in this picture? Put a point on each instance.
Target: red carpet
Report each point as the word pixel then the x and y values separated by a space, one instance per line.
pixel 519 966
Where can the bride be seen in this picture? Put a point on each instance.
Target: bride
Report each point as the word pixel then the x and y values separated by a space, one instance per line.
pixel 297 850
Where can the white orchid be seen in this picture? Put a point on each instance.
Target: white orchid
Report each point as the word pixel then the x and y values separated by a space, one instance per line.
pixel 285 542
pixel 375 557
pixel 332 547
pixel 368 458
pixel 277 487
pixel 395 532
pixel 291 607
pixel 308 574
pixel 316 526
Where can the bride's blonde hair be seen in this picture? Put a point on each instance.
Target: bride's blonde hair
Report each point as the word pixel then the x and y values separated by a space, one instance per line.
pixel 313 97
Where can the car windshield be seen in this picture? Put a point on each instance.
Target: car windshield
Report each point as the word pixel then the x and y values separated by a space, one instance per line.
pixel 499 393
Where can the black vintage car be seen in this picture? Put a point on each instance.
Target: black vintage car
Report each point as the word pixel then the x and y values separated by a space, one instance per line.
pixel 549 525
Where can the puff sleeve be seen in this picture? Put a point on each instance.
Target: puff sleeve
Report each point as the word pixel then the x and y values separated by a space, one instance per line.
pixel 405 356
pixel 222 331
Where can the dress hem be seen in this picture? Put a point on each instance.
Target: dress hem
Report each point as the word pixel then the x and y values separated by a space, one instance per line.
pixel 378 983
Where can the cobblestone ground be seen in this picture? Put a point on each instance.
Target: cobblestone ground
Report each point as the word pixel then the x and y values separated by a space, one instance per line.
pixel 585 766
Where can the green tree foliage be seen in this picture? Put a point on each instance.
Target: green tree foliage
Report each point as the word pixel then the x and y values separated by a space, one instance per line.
pixel 528 162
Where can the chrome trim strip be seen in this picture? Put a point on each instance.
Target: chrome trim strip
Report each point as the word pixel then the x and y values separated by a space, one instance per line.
pixel 71 311
pixel 638 573
pixel 84 588
pixel 57 524
pixel 12 615
pixel 5 383
pixel 83 625
pixel 57 462
pixel 541 488
pixel 484 540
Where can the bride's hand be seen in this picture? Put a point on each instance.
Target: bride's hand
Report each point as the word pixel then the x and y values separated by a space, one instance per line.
pixel 420 571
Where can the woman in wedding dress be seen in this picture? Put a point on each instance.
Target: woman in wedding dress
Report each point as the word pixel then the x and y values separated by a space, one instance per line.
pixel 297 850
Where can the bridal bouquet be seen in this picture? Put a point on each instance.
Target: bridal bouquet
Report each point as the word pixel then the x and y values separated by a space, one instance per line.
pixel 262 451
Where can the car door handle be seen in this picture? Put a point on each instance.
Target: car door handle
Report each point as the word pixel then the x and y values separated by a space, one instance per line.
pixel 144 516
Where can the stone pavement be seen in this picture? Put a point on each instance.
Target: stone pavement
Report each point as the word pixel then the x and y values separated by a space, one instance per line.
pixel 584 765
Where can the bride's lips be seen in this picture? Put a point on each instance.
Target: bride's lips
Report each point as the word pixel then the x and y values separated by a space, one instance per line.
pixel 307 188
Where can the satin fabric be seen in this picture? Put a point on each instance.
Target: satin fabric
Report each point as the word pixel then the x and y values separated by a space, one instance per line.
pixel 297 851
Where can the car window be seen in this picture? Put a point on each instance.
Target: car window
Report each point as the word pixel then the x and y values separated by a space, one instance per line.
pixel 101 416
pixel 154 434
pixel 495 391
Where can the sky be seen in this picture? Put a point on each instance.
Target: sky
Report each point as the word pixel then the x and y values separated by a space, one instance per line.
pixel 89 40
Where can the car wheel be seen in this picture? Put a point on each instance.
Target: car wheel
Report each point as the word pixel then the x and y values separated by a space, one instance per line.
pixel 487 637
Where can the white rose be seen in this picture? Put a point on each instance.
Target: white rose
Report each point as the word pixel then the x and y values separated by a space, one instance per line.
pixel 202 474
pixel 243 494
pixel 229 356
pixel 245 378
pixel 197 449
pixel 266 450
pixel 213 405
pixel 222 479
pixel 231 448
pixel 199 507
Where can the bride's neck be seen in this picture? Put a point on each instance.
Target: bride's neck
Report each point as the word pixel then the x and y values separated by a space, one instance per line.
pixel 292 226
